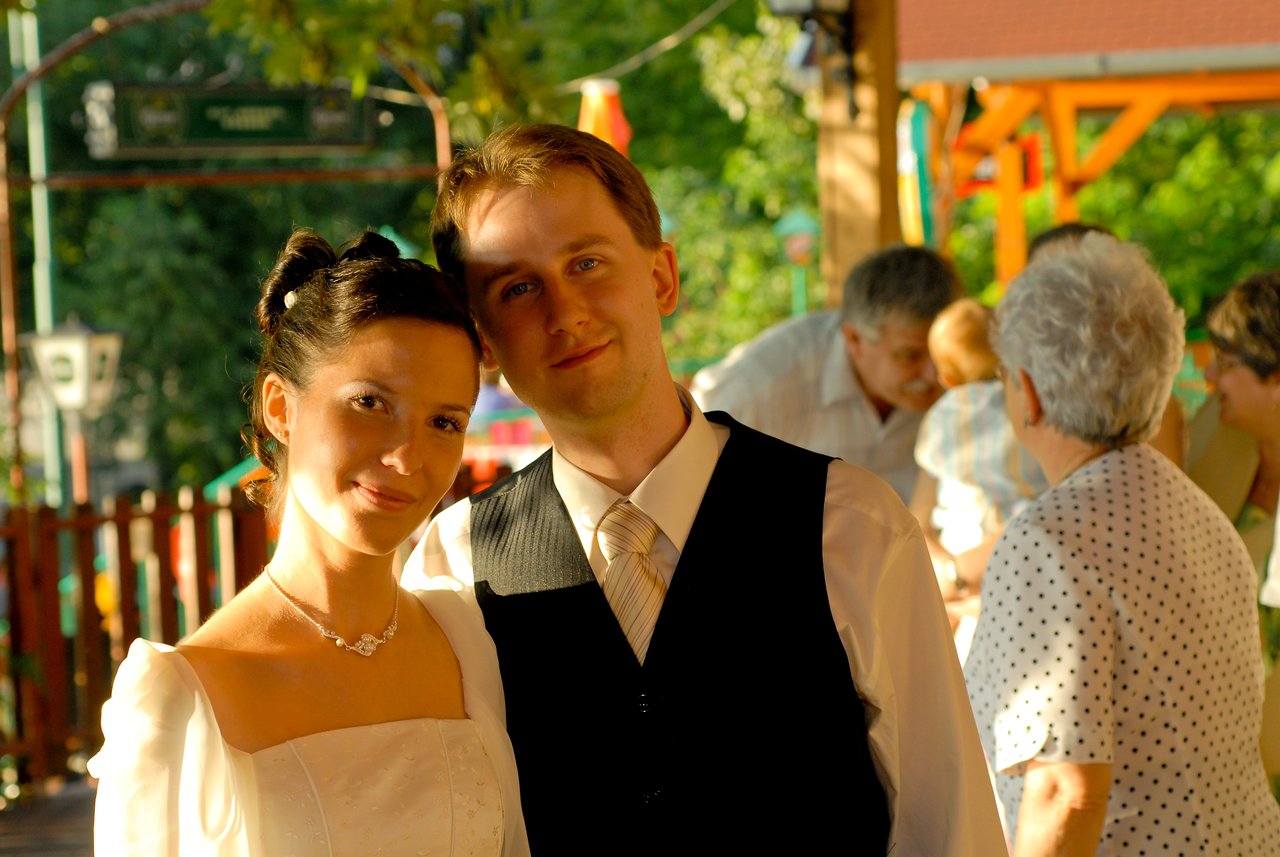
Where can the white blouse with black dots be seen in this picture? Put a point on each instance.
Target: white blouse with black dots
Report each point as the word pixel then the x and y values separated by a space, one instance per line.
pixel 1119 625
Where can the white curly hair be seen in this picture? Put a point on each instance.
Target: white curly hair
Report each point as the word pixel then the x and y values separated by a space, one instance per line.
pixel 1095 328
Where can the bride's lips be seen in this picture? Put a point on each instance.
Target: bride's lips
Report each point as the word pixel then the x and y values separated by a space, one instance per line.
pixel 384 497
pixel 579 357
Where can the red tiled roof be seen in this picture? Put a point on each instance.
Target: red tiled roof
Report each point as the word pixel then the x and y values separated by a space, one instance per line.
pixel 1165 35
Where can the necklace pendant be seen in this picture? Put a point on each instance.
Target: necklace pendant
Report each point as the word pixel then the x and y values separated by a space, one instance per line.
pixel 367 645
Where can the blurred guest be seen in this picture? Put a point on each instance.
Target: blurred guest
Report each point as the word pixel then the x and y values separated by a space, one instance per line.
pixel 1115 671
pixel 495 396
pixel 1171 436
pixel 1241 467
pixel 1245 330
pixel 853 383
pixel 974 474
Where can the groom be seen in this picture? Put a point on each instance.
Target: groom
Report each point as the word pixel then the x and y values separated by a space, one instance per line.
pixel 788 676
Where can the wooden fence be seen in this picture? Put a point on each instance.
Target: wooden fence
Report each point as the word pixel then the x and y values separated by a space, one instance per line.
pixel 77 589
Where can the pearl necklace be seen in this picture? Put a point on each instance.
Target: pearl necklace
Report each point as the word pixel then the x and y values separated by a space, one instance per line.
pixel 366 645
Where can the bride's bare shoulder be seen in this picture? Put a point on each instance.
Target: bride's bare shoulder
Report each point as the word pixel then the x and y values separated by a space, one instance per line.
pixel 242 624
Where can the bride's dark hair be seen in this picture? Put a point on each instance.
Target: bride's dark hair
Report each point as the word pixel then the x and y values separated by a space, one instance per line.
pixel 315 300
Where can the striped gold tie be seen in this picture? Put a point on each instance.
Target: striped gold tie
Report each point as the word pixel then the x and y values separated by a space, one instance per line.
pixel 632 584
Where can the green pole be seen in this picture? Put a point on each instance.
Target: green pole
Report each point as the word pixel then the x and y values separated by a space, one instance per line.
pixel 799 291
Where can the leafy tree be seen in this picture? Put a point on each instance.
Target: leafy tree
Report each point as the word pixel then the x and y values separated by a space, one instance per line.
pixel 177 268
pixel 1200 193
pixel 736 279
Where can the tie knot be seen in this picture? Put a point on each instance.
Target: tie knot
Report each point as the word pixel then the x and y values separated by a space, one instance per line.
pixel 626 529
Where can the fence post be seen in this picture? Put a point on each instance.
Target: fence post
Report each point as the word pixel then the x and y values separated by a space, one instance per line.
pixel 193 528
pixel 250 539
pixel 161 604
pixel 53 646
pixel 91 669
pixel 24 656
pixel 126 624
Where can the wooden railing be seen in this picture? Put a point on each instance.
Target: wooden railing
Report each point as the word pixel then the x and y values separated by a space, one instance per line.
pixel 82 586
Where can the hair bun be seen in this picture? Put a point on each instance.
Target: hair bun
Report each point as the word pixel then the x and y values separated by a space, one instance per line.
pixel 370 245
pixel 304 255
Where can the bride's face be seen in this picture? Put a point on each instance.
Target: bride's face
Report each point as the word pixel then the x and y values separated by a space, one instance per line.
pixel 376 438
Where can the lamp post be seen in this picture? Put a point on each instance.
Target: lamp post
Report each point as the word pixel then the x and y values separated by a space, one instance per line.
pixel 798 230
pixel 78 366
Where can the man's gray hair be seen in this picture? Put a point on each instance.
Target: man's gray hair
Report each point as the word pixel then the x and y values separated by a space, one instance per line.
pixel 1096 330
pixel 913 283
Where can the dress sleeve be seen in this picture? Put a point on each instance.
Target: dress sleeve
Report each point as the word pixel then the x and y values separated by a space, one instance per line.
pixel 164 779
pixel 889 613
pixel 462 622
pixel 1044 683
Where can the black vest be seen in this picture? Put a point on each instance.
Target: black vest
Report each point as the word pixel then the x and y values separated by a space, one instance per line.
pixel 743 726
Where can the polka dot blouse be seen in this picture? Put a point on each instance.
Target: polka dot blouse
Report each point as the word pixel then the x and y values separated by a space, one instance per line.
pixel 1119 625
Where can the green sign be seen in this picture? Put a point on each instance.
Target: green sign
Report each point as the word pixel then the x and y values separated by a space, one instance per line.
pixel 170 121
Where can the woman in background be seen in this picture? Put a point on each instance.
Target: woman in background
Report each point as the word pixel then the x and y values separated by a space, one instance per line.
pixel 1115 672
pixel 1244 328
pixel 324 710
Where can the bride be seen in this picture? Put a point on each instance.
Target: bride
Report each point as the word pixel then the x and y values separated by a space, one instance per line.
pixel 325 710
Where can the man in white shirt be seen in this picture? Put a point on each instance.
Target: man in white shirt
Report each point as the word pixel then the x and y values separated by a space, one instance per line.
pixel 798 691
pixel 854 383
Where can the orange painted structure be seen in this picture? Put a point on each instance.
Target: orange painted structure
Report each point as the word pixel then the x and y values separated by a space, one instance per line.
pixel 1132 61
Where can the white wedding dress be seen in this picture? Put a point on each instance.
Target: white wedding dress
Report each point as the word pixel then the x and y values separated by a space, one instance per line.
pixel 170 785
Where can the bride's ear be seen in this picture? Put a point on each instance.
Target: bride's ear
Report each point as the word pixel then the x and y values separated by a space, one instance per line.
pixel 277 407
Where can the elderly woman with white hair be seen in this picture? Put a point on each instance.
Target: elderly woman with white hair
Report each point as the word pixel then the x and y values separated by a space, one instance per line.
pixel 1115 672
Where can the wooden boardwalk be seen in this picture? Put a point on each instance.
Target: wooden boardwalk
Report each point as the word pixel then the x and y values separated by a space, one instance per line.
pixel 58 824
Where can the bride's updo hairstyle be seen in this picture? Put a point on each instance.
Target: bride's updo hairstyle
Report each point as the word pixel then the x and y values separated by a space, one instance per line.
pixel 314 302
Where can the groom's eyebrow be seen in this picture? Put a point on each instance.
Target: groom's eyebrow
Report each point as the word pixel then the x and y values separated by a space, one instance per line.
pixel 494 274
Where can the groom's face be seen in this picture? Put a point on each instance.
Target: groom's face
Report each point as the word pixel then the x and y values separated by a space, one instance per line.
pixel 569 303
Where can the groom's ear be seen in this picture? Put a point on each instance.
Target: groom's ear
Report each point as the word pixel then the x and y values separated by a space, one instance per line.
pixel 487 360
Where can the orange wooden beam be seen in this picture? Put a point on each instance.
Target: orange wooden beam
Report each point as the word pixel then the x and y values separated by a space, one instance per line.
pixel 1128 127
pixel 1006 108
pixel 1140 100
pixel 1011 225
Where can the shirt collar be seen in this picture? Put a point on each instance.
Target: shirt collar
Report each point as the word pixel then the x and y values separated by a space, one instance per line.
pixel 670 494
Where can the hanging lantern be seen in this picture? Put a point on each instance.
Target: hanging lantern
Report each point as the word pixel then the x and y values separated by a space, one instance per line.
pixel 601 113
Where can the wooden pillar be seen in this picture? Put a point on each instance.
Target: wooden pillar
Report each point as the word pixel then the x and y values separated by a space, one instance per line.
pixel 857 156
pixel 1011 226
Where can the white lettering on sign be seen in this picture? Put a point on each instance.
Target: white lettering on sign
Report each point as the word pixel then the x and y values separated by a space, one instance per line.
pixel 246 117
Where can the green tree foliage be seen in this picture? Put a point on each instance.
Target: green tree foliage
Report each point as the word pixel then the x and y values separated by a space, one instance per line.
pixel 735 276
pixel 728 149
pixel 177 268
pixel 1201 193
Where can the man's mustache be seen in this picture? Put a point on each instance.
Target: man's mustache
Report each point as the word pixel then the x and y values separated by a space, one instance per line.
pixel 921 386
